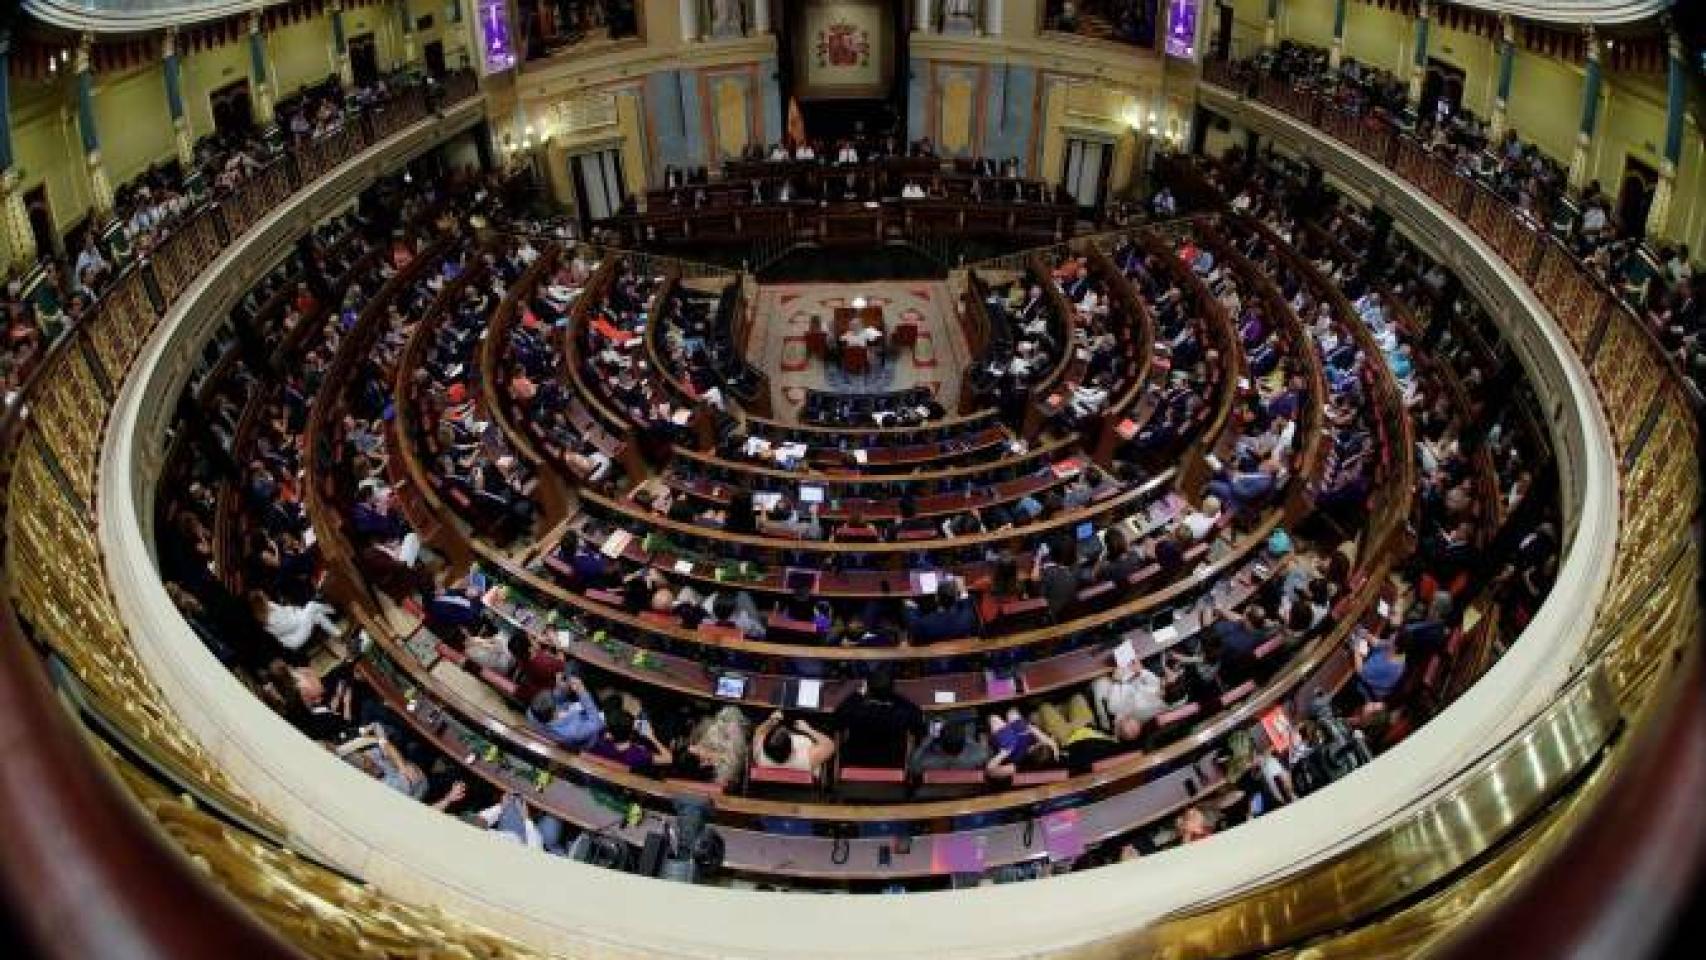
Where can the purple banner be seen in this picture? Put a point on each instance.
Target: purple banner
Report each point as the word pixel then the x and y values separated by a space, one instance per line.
pixel 499 48
pixel 1182 29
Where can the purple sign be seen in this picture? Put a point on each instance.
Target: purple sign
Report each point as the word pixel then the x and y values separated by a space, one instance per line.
pixel 1182 29
pixel 494 33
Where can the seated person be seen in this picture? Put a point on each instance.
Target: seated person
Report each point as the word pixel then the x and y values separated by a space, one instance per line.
pixel 630 742
pixel 877 724
pixel 1019 745
pixel 567 714
pixel 1133 692
pixel 948 615
pixel 952 744
pixel 1082 743
pixel 780 744
pixel 718 749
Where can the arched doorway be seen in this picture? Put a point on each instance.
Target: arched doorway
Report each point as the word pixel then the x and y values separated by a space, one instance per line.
pixel 1635 196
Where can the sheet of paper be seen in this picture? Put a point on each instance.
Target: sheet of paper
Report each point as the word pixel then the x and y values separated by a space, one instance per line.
pixel 928 581
pixel 861 457
pixel 1167 634
pixel 684 567
pixel 810 694
pixel 946 696
pixel 616 543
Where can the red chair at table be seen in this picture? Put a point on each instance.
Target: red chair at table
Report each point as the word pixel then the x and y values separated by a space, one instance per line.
pixel 817 341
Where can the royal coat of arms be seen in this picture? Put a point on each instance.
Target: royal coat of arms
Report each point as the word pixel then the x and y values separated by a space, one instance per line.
pixel 843 45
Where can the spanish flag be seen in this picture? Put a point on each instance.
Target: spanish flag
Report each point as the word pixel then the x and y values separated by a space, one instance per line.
pixel 796 124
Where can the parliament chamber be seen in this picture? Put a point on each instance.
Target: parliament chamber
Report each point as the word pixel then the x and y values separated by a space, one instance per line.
pixel 851 478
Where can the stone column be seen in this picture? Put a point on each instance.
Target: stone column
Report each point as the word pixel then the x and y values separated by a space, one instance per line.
pixel 1270 32
pixel 408 31
pixel 1336 52
pixel 258 74
pixel 921 19
pixel 993 13
pixel 760 17
pixel 690 20
pixel 14 218
pixel 1675 106
pixel 1507 65
pixel 175 98
pixel 100 187
pixel 340 46
pixel 1590 114
pixel 1419 63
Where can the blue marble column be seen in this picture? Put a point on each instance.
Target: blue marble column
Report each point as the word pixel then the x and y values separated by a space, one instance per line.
pixel 1591 81
pixel 258 74
pixel 1676 104
pixel 340 46
pixel 172 68
pixel 1507 68
pixel 100 188
pixel 1337 51
pixel 1419 63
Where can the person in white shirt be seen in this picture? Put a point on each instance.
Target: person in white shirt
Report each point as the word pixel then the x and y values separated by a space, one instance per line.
pixel 805 152
pixel 292 627
pixel 778 152
pixel 1201 522
pixel 847 154
pixel 1134 692
pixel 1088 399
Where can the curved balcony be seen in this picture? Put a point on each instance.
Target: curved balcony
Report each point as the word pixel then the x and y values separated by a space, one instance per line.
pixel 1508 777
pixel 420 857
pixel 132 16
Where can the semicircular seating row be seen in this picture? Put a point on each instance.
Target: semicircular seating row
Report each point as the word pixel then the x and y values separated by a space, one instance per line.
pixel 497 504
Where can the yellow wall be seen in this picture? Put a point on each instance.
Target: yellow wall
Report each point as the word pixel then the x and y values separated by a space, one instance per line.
pixel 1306 21
pixel 130 108
pixel 49 152
pixel 134 124
pixel 1545 100
pixel 300 54
pixel 1546 103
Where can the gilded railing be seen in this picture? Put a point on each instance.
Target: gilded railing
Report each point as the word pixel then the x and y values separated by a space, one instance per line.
pixel 56 584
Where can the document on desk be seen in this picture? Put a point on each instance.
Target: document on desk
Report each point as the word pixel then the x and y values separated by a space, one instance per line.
pixel 928 581
pixel 616 543
pixel 684 567
pixel 808 694
pixel 1166 634
pixel 946 696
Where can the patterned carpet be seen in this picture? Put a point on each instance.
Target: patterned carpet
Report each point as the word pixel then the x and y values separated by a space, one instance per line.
pixel 786 310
